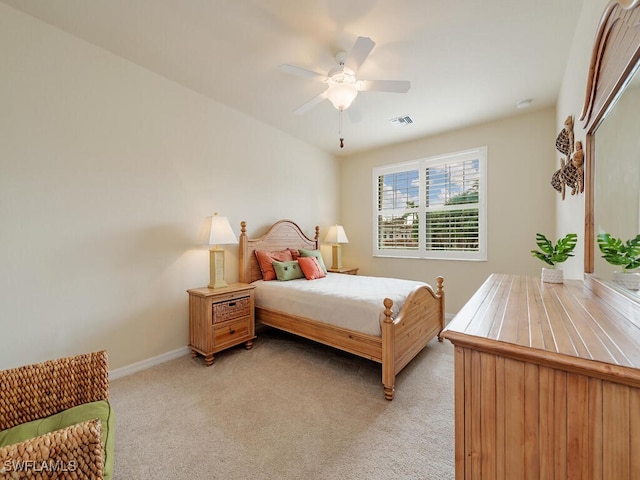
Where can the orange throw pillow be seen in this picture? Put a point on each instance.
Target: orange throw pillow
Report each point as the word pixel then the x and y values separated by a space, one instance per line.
pixel 294 253
pixel 311 268
pixel 265 260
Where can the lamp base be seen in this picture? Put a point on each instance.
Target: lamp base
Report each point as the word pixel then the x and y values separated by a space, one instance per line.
pixel 216 268
pixel 336 251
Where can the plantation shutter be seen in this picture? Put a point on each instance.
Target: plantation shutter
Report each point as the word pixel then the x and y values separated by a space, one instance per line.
pixel 452 212
pixel 397 220
pixel 432 208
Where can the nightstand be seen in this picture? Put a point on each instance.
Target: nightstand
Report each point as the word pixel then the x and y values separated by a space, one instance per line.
pixel 220 318
pixel 345 270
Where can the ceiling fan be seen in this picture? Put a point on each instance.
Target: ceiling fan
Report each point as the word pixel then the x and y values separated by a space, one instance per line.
pixel 343 86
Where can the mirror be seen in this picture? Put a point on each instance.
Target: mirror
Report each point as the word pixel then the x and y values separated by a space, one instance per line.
pixel 617 173
pixel 612 122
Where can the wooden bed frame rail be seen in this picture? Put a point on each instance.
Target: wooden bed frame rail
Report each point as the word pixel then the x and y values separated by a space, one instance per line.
pixel 403 337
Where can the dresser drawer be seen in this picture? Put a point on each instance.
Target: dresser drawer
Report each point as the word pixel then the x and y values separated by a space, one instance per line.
pixel 230 309
pixel 231 332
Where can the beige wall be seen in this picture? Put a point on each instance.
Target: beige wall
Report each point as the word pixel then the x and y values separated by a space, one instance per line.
pixel 570 212
pixel 107 172
pixel 520 202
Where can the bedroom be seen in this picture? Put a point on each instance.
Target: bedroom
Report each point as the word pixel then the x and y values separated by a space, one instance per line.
pixel 110 169
pixel 150 159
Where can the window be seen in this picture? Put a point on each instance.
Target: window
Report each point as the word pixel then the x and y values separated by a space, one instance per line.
pixel 432 208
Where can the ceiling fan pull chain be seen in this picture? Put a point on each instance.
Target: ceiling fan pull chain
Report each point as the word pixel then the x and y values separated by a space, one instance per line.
pixel 340 128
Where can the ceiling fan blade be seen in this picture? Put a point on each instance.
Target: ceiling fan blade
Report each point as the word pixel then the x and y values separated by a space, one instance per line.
pixel 310 104
pixel 394 86
pixel 359 52
pixel 301 72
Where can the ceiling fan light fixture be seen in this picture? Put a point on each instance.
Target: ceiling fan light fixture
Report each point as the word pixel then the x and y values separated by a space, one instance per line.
pixel 342 84
pixel 342 95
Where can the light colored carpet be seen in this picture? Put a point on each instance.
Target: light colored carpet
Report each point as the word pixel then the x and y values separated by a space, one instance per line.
pixel 288 409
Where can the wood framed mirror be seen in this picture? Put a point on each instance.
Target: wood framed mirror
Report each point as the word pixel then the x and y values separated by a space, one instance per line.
pixel 614 62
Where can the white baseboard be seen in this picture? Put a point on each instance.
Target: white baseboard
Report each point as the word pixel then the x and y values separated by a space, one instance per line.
pixel 148 363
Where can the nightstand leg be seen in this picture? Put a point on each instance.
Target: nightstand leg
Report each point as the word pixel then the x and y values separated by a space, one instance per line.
pixel 208 360
pixel 194 354
pixel 248 345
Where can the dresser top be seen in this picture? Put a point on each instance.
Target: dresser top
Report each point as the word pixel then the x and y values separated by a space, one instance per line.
pixel 577 320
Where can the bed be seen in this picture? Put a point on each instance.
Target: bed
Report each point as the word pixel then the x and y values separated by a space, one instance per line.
pixel 402 335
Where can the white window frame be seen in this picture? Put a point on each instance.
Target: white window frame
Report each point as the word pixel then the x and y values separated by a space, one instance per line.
pixel 421 166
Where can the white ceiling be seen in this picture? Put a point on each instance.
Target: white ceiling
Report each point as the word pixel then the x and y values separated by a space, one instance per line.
pixel 468 61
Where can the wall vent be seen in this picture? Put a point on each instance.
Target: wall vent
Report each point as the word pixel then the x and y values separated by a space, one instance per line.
pixel 402 121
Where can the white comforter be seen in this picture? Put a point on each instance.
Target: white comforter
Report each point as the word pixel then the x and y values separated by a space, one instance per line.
pixel 349 301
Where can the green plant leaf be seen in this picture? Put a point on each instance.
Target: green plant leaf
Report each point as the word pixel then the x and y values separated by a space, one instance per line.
pixel 558 253
pixel 625 254
pixel 544 244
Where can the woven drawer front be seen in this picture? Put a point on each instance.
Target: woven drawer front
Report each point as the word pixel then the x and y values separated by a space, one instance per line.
pixel 230 309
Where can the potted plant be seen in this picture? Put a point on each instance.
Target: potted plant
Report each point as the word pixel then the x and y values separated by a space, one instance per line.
pixel 553 254
pixel 622 254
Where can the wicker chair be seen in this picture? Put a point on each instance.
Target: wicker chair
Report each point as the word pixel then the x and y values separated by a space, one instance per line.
pixel 37 391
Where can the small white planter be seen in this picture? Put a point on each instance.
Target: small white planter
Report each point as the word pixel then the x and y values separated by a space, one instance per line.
pixel 628 280
pixel 552 275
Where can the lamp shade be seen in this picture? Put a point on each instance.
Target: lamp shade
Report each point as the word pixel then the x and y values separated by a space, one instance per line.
pixel 336 234
pixel 221 232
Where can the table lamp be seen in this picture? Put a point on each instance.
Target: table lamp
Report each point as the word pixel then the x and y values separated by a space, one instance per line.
pixel 220 234
pixel 336 236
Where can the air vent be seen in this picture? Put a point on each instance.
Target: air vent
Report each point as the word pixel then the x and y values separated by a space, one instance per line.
pixel 402 121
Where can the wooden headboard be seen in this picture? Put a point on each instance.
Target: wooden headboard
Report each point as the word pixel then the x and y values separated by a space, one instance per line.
pixel 281 235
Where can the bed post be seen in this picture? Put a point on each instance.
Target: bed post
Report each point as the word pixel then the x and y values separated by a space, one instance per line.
pixel 388 351
pixel 242 274
pixel 440 294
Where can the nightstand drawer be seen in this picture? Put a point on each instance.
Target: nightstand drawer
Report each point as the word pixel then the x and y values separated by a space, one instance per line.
pixel 231 331
pixel 230 309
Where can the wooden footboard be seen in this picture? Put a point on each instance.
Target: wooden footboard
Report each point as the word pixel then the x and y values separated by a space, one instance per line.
pixel 403 337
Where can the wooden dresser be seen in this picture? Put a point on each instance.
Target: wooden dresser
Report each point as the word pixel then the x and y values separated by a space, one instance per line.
pixel 547 381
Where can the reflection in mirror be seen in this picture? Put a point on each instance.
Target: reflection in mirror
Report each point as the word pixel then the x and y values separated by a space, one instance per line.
pixel 612 124
pixel 617 174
